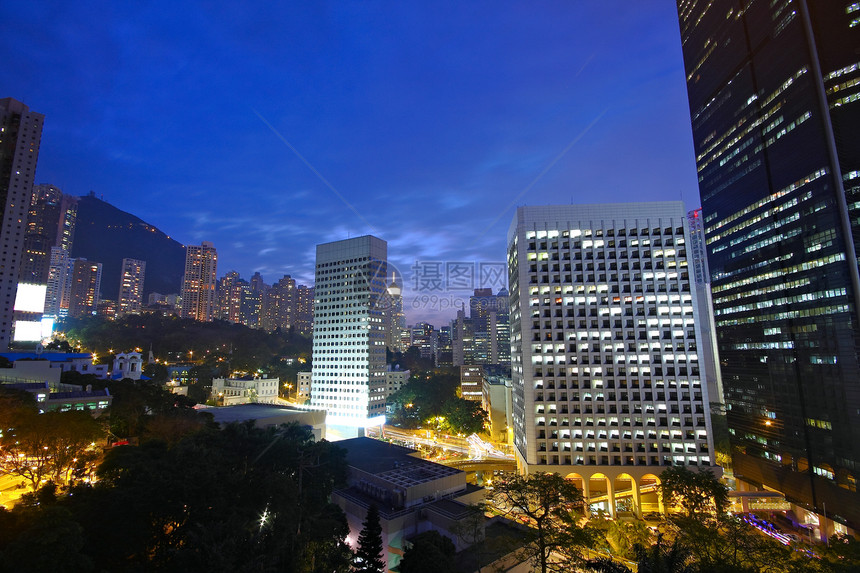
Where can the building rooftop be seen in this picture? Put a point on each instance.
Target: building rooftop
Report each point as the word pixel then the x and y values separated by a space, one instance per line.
pixel 50 356
pixel 395 464
pixel 243 412
pixel 78 394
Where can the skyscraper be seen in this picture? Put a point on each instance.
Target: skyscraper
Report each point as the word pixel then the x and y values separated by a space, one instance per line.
pixel 131 286
pixel 485 336
pixel 230 297
pixel 50 223
pixel 606 367
pixel 20 136
pixel 349 334
pixel 304 309
pixel 59 283
pixel 279 305
pixel 85 288
pixel 774 93
pixel 394 317
pixel 198 282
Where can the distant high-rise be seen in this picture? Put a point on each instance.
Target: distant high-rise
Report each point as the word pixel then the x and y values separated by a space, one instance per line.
pixel 85 288
pixel 304 309
pixel 491 326
pixel 50 223
pixel 394 317
pixel 131 286
pixel 349 334
pixel 279 305
pixel 198 282
pixel 606 362
pixel 59 283
pixel 425 338
pixel 230 297
pixel 484 337
pixel 20 136
pixel 774 93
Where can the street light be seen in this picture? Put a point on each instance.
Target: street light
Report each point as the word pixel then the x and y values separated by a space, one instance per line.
pixel 289 387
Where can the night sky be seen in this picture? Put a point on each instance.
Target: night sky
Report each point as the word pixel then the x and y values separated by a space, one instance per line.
pixel 269 130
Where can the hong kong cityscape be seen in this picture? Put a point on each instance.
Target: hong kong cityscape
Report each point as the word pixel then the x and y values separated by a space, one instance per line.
pixel 341 287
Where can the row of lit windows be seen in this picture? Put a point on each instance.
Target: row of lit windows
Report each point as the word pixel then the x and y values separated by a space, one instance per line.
pixel 761 203
pixel 805 297
pixel 749 126
pixel 764 216
pixel 676 460
pixel 788 315
pixel 777 273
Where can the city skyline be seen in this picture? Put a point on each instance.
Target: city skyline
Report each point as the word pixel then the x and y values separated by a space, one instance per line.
pixel 423 125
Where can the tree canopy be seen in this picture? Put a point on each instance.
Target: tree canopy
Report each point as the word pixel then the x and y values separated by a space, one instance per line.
pixel 548 503
pixel 698 492
pixel 237 499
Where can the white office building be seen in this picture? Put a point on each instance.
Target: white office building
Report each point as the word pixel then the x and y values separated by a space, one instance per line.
pixel 607 374
pixel 349 335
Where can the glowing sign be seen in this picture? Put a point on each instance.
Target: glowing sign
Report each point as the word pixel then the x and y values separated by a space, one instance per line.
pixel 30 297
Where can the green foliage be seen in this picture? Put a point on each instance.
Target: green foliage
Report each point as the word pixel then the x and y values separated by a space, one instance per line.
pixel 135 405
pixel 424 396
pixel 548 501
pixel 623 536
pixel 663 558
pixel 368 556
pixel 47 446
pixel 212 344
pixel 698 492
pixel 157 373
pixel 464 416
pixel 431 552
pixel 238 499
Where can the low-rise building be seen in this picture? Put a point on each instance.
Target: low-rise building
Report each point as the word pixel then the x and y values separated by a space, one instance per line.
pixel 63 361
pixel 230 391
pixel 395 380
pixel 266 415
pixel 303 393
pixel 64 397
pixel 127 365
pixel 413 495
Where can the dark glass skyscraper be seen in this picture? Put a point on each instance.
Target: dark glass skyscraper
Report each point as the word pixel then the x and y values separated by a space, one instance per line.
pixel 774 91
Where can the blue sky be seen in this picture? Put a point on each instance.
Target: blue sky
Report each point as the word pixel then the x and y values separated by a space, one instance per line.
pixel 423 123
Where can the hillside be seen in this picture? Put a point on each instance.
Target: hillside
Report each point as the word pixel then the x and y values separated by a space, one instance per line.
pixel 107 235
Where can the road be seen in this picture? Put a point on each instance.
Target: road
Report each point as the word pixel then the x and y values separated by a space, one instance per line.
pixel 9 490
pixel 473 447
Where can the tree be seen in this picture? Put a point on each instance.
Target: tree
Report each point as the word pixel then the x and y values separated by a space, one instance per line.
pixel 698 492
pixel 464 416
pixel 431 552
pixel 471 530
pixel 660 558
pixel 548 501
pixel 368 557
pixel 48 446
pixel 623 536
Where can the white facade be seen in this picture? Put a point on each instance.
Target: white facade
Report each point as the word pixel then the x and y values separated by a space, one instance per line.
pixel 303 392
pixel 606 359
pixel 20 136
pixel 395 380
pixel 349 333
pixel 127 365
pixel 231 391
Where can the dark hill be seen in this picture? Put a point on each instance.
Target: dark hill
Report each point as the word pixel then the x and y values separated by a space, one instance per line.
pixel 107 235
